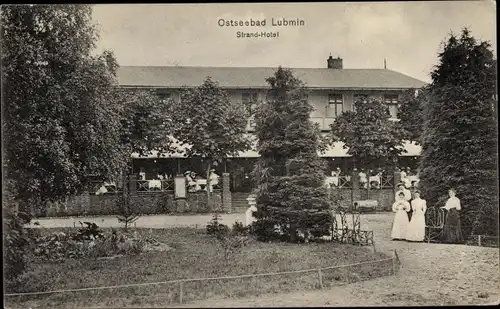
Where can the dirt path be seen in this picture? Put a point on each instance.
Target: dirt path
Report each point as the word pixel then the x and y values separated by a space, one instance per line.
pixel 430 275
pixel 156 221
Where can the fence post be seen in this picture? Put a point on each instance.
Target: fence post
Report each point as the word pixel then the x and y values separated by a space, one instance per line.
pixel 355 190
pixel 180 291
pixel 393 263
pixel 479 240
pixel 346 274
pixel 320 276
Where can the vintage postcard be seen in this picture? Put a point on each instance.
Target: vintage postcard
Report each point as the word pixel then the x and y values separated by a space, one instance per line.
pixel 250 154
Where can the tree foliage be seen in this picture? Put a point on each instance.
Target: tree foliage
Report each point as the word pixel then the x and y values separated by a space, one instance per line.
pixel 459 145
pixel 368 134
pixel 410 114
pixel 64 116
pixel 60 121
pixel 146 122
pixel 289 174
pixel 211 126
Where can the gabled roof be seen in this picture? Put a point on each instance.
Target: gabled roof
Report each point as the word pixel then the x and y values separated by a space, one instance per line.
pixel 255 77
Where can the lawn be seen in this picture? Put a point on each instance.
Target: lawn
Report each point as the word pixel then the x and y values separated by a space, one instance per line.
pixel 193 255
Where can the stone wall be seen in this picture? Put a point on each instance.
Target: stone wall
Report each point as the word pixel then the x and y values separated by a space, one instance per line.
pixel 385 197
pixel 145 203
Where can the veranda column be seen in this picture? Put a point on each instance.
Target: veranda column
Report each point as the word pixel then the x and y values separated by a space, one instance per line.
pixel 356 192
pixel 397 179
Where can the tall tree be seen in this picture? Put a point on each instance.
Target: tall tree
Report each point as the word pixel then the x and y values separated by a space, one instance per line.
pixel 459 145
pixel 212 127
pixel 60 120
pixel 369 135
pixel 289 173
pixel 64 116
pixel 411 114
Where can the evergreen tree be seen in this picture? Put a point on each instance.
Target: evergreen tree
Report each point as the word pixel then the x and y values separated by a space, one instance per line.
pixel 459 144
pixel 291 198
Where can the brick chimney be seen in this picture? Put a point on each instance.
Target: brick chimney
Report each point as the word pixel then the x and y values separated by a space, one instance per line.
pixel 334 63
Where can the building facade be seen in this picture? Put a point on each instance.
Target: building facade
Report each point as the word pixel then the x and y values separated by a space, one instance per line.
pixel 332 90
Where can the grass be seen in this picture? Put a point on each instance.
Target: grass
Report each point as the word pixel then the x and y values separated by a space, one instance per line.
pixel 194 255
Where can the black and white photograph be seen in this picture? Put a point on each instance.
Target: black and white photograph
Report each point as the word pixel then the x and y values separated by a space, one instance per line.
pixel 199 155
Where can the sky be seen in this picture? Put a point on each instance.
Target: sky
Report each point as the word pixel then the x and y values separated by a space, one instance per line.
pixel 408 35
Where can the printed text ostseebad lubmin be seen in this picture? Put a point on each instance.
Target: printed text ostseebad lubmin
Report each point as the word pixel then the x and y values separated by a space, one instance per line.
pixel 283 22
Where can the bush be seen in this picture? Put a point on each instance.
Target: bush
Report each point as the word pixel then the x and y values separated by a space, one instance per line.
pixel 214 227
pixel 91 232
pixel 239 229
pixel 265 230
pixel 59 246
pixel 15 245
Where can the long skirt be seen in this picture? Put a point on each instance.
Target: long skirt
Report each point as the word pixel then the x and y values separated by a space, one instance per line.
pixel 416 227
pixel 452 231
pixel 400 225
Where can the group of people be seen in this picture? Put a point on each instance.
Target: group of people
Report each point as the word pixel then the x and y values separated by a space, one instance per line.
pixel 408 177
pixel 409 219
pixel 193 184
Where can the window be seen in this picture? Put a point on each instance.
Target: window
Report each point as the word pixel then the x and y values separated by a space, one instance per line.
pixel 335 105
pixel 391 100
pixel 249 99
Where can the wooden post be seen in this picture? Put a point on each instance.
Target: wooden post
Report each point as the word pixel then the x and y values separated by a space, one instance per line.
pixel 346 274
pixel 320 276
pixel 393 263
pixel 479 240
pixel 180 291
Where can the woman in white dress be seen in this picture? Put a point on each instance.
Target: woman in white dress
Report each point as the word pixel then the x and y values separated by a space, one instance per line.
pixel 416 227
pixel 400 224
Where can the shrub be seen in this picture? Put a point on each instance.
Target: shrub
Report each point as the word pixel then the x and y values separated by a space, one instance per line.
pixel 59 246
pixel 15 245
pixel 127 216
pixel 265 230
pixel 214 227
pixel 239 229
pixel 92 231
